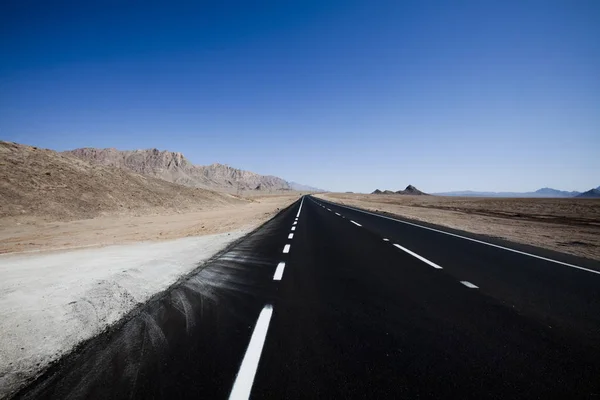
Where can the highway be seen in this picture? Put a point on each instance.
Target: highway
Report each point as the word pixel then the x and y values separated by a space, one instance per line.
pixel 327 301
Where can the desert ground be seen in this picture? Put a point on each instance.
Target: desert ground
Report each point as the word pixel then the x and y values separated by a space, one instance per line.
pixel 567 225
pixel 27 235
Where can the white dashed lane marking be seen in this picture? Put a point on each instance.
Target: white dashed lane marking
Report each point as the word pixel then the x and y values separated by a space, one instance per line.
pixel 286 249
pixel 293 228
pixel 469 285
pixel 279 271
pixel 474 240
pixel 355 223
pixel 300 209
pixel 291 236
pixel 386 239
pixel 426 261
pixel 245 376
pixel 338 214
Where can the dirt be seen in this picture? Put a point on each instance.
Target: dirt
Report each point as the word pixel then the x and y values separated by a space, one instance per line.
pixel 38 184
pixel 17 235
pixel 567 225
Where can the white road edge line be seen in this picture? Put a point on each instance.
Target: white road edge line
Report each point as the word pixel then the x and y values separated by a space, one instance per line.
pixel 293 228
pixel 469 285
pixel 475 240
pixel 245 376
pixel 355 223
pixel 286 248
pixel 279 271
pixel 300 209
pixel 291 236
pixel 426 261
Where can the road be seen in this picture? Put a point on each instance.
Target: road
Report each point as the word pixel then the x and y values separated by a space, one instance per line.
pixel 326 301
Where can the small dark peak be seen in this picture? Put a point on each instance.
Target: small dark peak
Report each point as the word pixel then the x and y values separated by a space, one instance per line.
pixel 377 191
pixel 411 190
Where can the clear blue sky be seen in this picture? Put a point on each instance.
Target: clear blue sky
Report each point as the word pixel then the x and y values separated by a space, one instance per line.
pixel 343 95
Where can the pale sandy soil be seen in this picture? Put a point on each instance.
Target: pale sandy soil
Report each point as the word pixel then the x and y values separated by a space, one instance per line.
pixel 19 235
pixel 567 225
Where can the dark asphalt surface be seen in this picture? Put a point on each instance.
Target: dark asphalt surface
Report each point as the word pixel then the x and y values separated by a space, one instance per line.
pixel 355 317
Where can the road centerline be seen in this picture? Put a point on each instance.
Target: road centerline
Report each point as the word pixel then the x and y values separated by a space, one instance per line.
pixel 300 209
pixel 426 261
pixel 279 271
pixel 245 376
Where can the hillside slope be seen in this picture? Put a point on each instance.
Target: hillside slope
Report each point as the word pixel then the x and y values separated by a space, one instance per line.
pixel 174 167
pixel 43 184
pixel 590 194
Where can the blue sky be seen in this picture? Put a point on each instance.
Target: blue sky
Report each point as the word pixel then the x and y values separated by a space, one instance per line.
pixel 343 95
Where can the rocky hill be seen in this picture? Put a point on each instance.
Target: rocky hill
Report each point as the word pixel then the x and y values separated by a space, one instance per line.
pixel 174 167
pixel 592 193
pixel 410 190
pixel 46 185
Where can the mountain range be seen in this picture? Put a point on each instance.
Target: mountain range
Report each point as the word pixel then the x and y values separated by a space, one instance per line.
pixel 41 184
pixel 542 193
pixel 175 167
pixel 410 190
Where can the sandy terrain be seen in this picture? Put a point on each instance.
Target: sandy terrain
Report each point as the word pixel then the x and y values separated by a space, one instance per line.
pixel 19 236
pixel 567 225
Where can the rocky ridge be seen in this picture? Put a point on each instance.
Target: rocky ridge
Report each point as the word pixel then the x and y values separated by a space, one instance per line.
pixel 175 167
pixel 43 184
pixel 410 190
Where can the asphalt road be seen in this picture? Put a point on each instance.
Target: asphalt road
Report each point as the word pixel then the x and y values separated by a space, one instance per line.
pixel 325 301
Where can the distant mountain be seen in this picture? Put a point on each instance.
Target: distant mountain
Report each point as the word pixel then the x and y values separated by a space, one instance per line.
pixel 410 190
pixel 303 188
pixel 549 192
pixel 174 167
pixel 540 193
pixel 592 193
